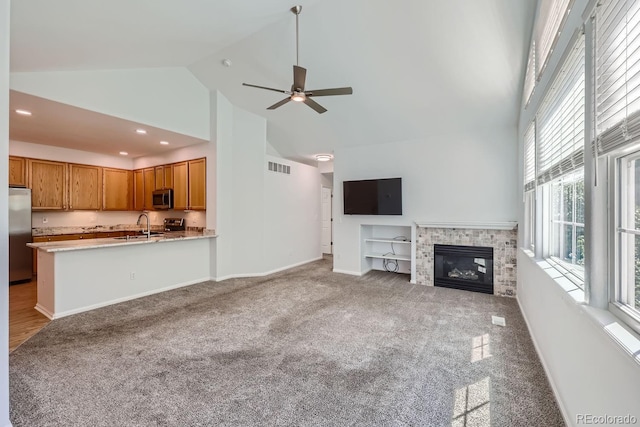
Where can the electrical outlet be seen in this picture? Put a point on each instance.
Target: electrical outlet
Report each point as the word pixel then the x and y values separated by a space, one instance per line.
pixel 132 275
pixel 45 220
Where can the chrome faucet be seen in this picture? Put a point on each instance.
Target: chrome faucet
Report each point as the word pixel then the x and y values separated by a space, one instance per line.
pixel 148 232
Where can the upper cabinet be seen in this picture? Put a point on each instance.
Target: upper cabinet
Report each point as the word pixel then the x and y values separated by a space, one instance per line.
pixel 190 185
pixel 117 189
pixel 164 177
pixel 48 183
pixel 85 187
pixel 198 184
pixel 68 186
pixel 138 184
pixel 17 171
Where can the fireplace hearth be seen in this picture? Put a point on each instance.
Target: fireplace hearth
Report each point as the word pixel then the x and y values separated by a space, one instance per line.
pixel 468 268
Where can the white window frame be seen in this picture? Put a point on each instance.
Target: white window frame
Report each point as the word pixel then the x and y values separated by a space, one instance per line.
pixel 570 270
pixel 623 266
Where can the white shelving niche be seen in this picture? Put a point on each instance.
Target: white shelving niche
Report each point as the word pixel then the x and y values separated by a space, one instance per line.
pixel 393 245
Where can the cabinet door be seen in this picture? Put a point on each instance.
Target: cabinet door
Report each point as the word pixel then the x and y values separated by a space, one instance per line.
pixel 149 175
pixel 117 189
pixel 85 187
pixel 17 171
pixel 159 174
pixel 48 183
pixel 168 176
pixel 138 201
pixel 180 186
pixel 198 184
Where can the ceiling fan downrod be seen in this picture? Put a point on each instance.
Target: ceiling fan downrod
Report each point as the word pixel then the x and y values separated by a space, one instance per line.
pixel 296 11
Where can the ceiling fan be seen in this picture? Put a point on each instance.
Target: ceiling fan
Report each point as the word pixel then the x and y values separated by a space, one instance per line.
pixel 297 92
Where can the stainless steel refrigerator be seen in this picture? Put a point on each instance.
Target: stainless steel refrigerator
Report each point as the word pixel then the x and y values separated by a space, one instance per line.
pixel 20 256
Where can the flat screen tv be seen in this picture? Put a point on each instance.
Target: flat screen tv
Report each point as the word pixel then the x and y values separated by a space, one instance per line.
pixel 373 197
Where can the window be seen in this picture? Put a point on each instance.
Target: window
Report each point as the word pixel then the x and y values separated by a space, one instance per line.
pixel 627 293
pixel 567 224
pixel 530 75
pixel 617 116
pixel 551 17
pixel 529 186
pixel 560 165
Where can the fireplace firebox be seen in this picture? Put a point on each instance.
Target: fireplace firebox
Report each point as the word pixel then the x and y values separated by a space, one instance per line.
pixel 469 268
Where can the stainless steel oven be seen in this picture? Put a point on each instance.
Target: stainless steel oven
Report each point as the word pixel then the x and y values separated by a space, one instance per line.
pixel 163 199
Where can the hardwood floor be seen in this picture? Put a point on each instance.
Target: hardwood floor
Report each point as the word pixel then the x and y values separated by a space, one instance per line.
pixel 24 320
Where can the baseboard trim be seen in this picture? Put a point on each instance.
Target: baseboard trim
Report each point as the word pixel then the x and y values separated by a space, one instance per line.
pixel 44 311
pixel 266 273
pixel 554 388
pixel 123 299
pixel 350 273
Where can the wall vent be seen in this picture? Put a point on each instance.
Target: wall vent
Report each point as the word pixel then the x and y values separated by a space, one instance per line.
pixel 278 167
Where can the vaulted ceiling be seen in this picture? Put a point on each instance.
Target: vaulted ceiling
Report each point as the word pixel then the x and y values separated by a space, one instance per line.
pixel 417 67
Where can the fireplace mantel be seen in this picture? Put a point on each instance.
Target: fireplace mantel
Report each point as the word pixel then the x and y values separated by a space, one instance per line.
pixel 504 225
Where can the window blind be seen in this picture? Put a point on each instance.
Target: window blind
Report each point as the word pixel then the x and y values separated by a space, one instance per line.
pixel 530 75
pixel 548 26
pixel 530 157
pixel 617 73
pixel 560 119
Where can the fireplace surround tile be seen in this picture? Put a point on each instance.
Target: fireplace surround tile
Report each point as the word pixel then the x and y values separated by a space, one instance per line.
pixel 503 241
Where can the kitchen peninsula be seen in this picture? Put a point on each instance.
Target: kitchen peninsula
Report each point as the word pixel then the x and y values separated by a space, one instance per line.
pixel 81 275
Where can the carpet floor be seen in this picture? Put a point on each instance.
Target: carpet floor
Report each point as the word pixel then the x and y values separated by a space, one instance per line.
pixel 305 347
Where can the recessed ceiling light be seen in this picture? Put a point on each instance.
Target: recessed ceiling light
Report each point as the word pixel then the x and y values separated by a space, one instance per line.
pixel 124 153
pixel 141 131
pixel 164 143
pixel 24 112
pixel 323 157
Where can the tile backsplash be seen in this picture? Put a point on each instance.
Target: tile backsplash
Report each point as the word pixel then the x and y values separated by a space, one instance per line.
pixel 93 218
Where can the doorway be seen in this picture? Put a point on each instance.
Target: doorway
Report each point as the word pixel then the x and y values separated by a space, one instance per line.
pixel 327 229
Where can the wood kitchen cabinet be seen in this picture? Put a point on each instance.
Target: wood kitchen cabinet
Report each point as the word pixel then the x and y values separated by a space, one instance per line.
pixel 198 184
pixel 17 171
pixel 85 187
pixel 149 175
pixel 144 183
pixel 117 189
pixel 48 183
pixel 138 198
pixel 189 185
pixel 164 177
pixel 180 185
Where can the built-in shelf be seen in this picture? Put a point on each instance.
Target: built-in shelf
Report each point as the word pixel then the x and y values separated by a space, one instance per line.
pixel 397 257
pixel 387 240
pixel 388 248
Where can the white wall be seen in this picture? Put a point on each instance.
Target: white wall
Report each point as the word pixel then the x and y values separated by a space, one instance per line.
pixel 4 213
pixel 264 222
pixel 247 191
pixel 292 221
pixel 59 154
pixel 455 177
pixel 167 98
pixel 589 372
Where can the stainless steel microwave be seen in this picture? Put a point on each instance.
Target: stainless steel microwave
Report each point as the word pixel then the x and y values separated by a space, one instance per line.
pixel 163 199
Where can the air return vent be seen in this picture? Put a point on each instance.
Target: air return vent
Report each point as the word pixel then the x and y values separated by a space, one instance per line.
pixel 278 167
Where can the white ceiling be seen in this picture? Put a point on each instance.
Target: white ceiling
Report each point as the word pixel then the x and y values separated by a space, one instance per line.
pixel 62 125
pixel 418 68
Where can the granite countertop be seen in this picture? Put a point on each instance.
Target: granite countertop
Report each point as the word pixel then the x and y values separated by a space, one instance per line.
pixel 57 231
pixel 72 245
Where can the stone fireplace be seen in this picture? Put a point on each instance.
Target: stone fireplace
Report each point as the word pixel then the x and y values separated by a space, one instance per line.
pixel 499 239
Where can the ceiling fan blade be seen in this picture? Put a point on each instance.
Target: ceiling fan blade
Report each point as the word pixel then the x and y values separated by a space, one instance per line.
pixel 299 77
pixel 267 88
pixel 330 92
pixel 279 104
pixel 313 104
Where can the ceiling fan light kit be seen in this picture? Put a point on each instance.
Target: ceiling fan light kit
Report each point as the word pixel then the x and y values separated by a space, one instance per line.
pixel 297 92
